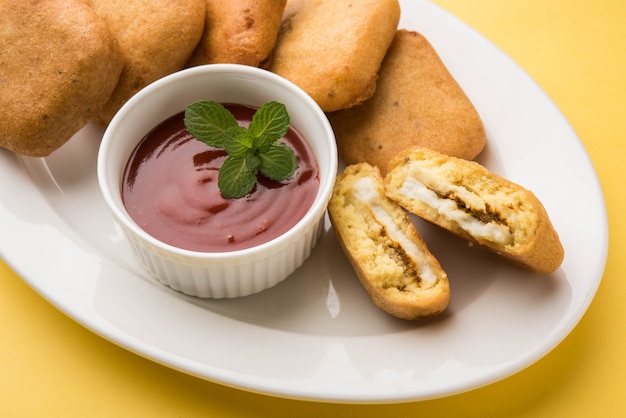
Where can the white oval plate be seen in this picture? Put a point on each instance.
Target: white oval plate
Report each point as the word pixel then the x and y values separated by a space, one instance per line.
pixel 317 335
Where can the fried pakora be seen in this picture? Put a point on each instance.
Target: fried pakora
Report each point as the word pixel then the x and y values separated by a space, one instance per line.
pixel 58 67
pixel 417 102
pixel 156 38
pixel 238 32
pixel 333 49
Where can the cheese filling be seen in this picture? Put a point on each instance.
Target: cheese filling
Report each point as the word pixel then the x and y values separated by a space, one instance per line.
pixel 365 191
pixel 449 209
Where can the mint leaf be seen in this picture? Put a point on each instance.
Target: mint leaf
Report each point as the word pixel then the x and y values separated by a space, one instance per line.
pixel 263 143
pixel 235 178
pixel 279 162
pixel 207 121
pixel 270 122
pixel 250 150
pixel 253 161
pixel 237 141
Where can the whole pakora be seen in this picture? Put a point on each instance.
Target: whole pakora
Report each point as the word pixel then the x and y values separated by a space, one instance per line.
pixel 333 49
pixel 417 102
pixel 58 66
pixel 156 38
pixel 238 32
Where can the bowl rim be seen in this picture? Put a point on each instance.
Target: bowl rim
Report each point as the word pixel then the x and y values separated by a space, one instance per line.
pixel 315 211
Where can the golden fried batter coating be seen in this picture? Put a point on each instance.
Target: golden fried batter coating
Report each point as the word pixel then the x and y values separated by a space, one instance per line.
pixel 156 38
pixel 476 204
pixel 417 102
pixel 333 49
pixel 58 66
pixel 387 252
pixel 238 31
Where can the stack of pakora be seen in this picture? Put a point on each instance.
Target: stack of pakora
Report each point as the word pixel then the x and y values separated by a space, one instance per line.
pixel 67 63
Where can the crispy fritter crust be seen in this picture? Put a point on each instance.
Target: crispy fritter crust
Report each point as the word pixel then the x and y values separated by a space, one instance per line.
pixel 58 67
pixel 417 102
pixel 389 256
pixel 512 222
pixel 156 38
pixel 238 32
pixel 333 49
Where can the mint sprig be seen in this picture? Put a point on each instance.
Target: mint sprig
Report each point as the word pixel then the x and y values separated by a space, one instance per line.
pixel 252 150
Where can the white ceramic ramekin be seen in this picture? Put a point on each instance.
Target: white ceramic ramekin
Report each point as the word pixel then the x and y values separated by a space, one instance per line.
pixel 226 274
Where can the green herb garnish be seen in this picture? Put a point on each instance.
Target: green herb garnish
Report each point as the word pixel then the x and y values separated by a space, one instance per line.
pixel 251 150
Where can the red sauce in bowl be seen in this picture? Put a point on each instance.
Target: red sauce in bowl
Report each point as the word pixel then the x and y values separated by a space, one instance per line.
pixel 170 190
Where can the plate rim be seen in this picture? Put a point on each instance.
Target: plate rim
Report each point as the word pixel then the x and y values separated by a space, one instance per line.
pixel 135 345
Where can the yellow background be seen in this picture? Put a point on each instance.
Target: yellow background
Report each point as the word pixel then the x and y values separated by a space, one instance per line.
pixel 576 51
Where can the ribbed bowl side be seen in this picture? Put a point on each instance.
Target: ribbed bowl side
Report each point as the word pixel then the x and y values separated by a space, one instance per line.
pixel 205 278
